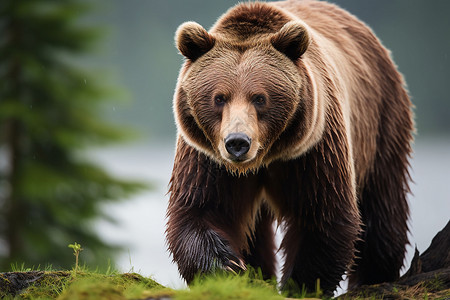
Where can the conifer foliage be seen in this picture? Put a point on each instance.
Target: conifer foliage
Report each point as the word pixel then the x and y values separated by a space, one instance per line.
pixel 49 112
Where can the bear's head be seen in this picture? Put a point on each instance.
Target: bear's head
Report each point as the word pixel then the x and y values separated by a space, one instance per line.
pixel 236 99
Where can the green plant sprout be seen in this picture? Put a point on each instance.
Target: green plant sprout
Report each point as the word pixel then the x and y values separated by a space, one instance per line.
pixel 76 251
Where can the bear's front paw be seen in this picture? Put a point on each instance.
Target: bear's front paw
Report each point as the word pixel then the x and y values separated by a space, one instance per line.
pixel 205 253
pixel 223 256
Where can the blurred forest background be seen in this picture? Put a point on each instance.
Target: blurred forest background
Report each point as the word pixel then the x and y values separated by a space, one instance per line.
pixel 75 75
pixel 141 49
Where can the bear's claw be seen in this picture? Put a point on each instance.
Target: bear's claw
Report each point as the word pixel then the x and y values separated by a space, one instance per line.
pixel 235 267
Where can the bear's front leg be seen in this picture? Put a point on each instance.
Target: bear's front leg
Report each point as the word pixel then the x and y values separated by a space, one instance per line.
pixel 197 246
pixel 208 214
pixel 316 197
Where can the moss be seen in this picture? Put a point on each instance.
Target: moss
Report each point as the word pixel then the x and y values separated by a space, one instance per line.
pixel 97 286
pixel 39 284
pixel 229 287
pixel 70 285
pixel 91 285
pixel 47 286
pixel 93 289
pixel 85 286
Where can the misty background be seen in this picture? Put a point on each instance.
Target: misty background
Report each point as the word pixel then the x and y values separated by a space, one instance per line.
pixel 137 55
pixel 139 50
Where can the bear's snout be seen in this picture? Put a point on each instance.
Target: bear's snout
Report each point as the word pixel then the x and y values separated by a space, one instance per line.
pixel 237 144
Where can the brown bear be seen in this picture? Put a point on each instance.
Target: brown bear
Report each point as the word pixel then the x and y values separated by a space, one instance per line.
pixel 293 112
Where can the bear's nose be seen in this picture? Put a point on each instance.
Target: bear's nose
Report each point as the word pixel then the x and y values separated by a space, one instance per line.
pixel 237 144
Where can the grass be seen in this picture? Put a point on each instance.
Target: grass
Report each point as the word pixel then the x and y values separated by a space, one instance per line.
pixel 83 284
pixel 230 287
pixel 23 268
pixel 86 285
pixel 80 285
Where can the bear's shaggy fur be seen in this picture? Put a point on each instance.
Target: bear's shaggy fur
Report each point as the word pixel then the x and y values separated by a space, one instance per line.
pixel 290 111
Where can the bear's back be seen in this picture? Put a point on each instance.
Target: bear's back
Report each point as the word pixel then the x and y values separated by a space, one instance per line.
pixel 372 88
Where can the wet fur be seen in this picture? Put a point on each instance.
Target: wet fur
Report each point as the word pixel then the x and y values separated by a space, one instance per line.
pixel 336 176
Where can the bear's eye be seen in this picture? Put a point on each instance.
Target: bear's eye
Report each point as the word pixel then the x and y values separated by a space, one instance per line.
pixel 259 100
pixel 219 100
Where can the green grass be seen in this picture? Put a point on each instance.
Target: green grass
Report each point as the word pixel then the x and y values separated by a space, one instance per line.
pixel 86 285
pixel 23 268
pixel 83 285
pixel 230 287
pixel 65 285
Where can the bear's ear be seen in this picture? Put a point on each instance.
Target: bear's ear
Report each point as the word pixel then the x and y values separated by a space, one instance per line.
pixel 292 39
pixel 193 40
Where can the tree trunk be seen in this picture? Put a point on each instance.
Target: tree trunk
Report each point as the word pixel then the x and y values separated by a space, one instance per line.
pixel 428 276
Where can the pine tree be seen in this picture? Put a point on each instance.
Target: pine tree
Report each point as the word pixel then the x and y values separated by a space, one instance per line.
pixel 49 113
